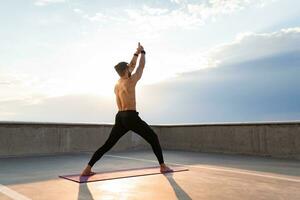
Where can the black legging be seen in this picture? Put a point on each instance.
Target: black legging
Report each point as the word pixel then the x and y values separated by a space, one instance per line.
pixel 125 121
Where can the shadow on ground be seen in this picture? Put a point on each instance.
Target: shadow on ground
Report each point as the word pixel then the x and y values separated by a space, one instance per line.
pixel 180 193
pixel 84 192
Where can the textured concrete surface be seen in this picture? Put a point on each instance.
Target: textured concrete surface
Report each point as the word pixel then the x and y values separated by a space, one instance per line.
pixel 276 139
pixel 210 176
pixel 264 139
pixel 48 138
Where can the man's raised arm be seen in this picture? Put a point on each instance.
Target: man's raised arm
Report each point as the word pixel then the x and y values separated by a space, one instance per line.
pixel 134 58
pixel 139 71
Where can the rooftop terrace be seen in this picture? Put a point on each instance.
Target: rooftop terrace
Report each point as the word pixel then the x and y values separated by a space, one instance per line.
pixel 225 161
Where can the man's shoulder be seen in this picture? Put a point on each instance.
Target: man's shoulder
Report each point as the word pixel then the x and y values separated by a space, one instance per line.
pixel 134 78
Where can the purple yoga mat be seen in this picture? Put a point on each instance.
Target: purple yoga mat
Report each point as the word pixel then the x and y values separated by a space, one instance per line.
pixel 123 173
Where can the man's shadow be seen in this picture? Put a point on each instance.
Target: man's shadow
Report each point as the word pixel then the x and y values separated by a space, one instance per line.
pixel 180 193
pixel 85 194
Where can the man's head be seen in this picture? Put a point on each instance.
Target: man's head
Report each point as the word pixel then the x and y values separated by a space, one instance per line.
pixel 123 69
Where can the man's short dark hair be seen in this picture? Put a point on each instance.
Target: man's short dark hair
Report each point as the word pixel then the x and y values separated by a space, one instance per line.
pixel 121 67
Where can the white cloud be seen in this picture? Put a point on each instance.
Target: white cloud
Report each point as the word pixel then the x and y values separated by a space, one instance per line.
pixel 186 15
pixel 148 22
pixel 97 17
pixel 245 47
pixel 213 8
pixel 251 46
pixel 77 10
pixel 178 1
pixel 154 11
pixel 47 2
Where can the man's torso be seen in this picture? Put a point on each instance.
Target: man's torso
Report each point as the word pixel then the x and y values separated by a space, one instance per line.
pixel 125 94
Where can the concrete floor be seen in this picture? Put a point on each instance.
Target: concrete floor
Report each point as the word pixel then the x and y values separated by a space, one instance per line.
pixel 210 176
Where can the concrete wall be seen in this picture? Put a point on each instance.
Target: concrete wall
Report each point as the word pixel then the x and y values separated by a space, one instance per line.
pixel 277 139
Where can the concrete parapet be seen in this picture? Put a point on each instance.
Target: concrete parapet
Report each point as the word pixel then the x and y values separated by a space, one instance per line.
pixel 276 139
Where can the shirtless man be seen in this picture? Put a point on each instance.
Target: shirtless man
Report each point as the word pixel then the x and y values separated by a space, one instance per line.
pixel 127 117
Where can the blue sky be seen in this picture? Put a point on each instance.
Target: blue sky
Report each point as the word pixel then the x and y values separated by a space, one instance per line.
pixel 207 60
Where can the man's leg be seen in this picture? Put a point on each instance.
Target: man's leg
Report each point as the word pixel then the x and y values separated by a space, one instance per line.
pixel 116 133
pixel 144 130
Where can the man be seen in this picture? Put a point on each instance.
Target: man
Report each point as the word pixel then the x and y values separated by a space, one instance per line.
pixel 127 117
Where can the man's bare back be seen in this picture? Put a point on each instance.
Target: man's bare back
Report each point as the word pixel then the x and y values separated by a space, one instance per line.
pixel 125 94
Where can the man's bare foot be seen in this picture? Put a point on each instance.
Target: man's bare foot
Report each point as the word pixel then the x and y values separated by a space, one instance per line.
pixel 164 168
pixel 87 171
